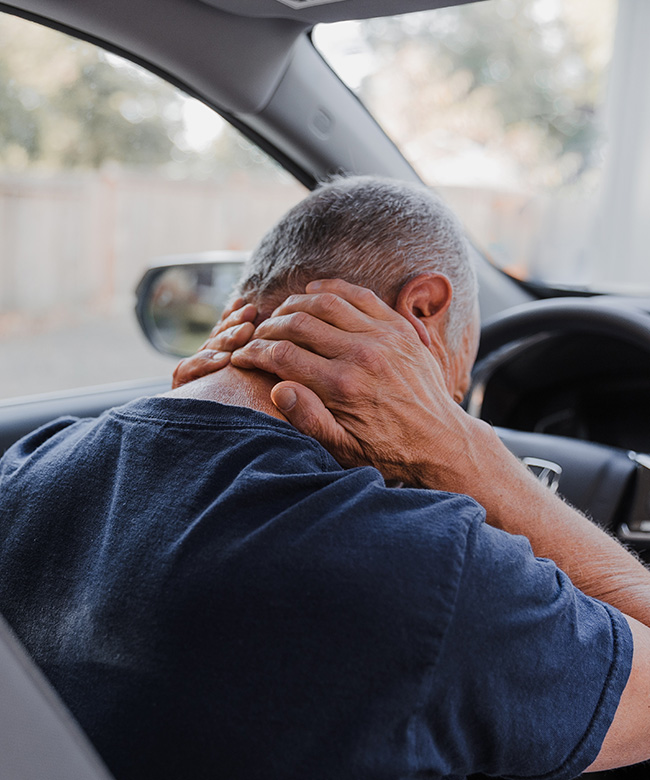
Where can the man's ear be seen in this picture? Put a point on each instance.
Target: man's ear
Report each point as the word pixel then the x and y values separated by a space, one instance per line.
pixel 424 300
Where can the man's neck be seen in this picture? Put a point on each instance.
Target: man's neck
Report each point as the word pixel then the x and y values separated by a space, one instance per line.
pixel 235 387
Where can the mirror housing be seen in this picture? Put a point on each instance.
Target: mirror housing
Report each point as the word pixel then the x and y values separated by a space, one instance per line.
pixel 181 297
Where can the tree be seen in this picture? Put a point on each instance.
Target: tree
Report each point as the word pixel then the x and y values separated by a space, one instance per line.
pixel 68 104
pixel 521 78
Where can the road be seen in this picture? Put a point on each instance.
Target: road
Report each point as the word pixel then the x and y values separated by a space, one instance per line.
pixel 98 350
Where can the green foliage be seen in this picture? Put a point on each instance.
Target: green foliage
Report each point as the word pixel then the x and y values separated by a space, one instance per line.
pixel 68 104
pixel 65 104
pixel 17 123
pixel 528 65
pixel 114 115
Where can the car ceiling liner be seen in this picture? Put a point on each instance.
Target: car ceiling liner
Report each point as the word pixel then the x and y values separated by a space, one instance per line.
pixel 315 11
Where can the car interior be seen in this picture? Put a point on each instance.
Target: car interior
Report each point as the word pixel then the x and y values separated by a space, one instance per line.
pixel 564 374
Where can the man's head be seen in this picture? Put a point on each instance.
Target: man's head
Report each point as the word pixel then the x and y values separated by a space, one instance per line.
pixel 395 238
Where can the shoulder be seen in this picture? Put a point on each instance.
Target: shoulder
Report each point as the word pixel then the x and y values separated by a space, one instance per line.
pixel 537 666
pixel 40 441
pixel 393 557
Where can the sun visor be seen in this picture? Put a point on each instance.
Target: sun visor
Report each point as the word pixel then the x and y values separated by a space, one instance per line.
pixel 315 11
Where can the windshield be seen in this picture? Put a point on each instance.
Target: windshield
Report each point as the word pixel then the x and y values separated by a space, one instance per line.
pixel 528 117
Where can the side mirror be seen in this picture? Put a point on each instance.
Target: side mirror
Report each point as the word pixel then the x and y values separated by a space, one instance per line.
pixel 181 297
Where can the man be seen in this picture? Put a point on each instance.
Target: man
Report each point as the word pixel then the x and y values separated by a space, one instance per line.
pixel 213 595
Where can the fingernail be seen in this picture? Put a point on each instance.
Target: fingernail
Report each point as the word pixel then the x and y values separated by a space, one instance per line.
pixel 220 356
pixel 285 399
pixel 314 286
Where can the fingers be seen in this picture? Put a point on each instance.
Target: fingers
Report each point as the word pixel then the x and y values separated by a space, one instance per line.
pixel 309 332
pixel 360 297
pixel 327 324
pixel 213 355
pixel 204 362
pixel 238 303
pixel 283 358
pixel 286 360
pixel 231 338
pixel 233 331
pixel 306 412
pixel 326 307
pixel 234 315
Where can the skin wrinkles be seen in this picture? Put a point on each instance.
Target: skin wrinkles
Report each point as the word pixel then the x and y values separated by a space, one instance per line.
pixel 305 326
pixel 389 371
pixel 377 384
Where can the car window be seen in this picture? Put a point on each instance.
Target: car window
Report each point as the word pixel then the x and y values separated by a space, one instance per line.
pixel 531 119
pixel 103 168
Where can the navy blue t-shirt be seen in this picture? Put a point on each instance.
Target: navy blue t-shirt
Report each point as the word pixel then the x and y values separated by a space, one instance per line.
pixel 213 596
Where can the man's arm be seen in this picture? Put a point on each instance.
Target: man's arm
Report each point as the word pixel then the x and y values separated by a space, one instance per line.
pixel 628 736
pixel 359 380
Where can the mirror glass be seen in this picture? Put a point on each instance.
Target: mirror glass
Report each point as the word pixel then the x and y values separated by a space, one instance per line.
pixel 178 305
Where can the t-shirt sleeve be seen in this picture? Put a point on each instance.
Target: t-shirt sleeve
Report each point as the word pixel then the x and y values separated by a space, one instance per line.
pixel 530 672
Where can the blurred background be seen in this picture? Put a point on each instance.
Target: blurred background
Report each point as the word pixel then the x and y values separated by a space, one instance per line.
pixel 511 109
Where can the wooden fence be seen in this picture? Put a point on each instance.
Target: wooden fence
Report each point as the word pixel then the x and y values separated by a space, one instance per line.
pixel 82 240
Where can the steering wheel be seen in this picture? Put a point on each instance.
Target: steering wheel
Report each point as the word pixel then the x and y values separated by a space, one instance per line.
pixel 609 484
pixel 598 316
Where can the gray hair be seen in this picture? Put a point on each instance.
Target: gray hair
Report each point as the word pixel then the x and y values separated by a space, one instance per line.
pixel 378 233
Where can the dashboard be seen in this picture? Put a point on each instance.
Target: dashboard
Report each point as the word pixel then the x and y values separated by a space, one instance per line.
pixel 566 382
pixel 588 387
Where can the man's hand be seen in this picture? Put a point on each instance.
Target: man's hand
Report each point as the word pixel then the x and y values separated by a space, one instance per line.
pixel 359 379
pixel 233 330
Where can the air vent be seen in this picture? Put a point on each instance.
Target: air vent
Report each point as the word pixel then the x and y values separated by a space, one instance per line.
pixel 307 3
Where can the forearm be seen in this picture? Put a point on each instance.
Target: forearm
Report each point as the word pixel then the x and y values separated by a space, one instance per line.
pixel 359 379
pixel 480 466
